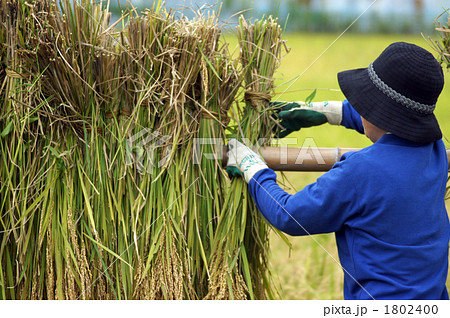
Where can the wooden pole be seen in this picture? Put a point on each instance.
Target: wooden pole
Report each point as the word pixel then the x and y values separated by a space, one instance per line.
pixel 301 159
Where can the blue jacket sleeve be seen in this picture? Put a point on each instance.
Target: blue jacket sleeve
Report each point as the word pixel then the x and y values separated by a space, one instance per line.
pixel 350 118
pixel 321 207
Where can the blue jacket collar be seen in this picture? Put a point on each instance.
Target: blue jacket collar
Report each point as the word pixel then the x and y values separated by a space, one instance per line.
pixel 391 139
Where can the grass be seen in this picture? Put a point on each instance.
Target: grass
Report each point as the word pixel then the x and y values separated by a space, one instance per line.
pixel 307 271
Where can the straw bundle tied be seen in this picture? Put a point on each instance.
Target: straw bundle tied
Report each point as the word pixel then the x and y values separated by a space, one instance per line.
pixel 100 195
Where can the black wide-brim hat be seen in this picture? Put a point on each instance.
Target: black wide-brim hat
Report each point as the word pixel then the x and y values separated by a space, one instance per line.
pixel 398 92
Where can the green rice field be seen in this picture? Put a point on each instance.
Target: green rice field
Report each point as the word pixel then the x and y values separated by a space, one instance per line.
pixel 307 270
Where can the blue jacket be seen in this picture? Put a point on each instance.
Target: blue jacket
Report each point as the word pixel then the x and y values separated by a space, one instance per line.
pixel 385 204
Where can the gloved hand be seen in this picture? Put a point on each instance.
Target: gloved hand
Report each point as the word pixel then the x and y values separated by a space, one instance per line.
pixel 242 161
pixel 297 115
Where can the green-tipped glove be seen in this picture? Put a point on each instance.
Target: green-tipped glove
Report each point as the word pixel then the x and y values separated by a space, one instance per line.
pixel 242 161
pixel 297 115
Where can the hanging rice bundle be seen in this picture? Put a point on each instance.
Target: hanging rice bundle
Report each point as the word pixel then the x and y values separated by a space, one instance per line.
pixel 107 186
pixel 260 53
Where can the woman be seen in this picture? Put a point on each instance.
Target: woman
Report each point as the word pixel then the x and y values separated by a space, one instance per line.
pixel 385 203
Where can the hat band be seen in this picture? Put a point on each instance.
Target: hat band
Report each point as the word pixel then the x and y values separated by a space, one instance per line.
pixel 396 96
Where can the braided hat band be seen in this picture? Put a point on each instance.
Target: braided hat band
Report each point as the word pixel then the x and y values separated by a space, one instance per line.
pixel 398 92
pixel 396 96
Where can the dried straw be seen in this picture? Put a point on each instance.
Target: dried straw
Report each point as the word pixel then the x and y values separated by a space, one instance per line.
pixel 442 45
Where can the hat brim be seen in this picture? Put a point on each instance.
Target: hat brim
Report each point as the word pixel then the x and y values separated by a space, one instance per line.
pixel 384 112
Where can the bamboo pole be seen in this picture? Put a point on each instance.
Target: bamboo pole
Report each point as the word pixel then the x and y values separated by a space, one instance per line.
pixel 302 159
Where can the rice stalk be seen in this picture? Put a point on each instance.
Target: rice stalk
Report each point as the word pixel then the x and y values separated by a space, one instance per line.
pixel 105 192
pixel 242 257
pixel 442 45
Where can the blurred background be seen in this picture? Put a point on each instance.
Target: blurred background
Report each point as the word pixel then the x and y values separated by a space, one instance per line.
pixel 385 16
pixel 309 268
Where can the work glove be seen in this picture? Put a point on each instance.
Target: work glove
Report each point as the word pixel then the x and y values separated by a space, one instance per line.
pixel 297 115
pixel 242 161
